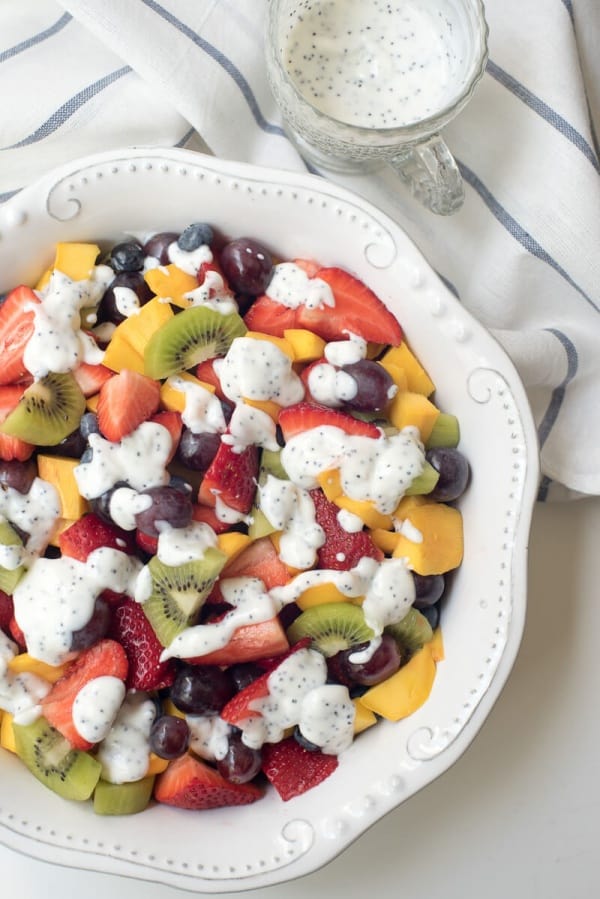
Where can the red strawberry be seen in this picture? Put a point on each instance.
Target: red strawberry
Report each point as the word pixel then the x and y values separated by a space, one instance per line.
pixel 90 378
pixel 259 559
pixel 174 425
pixel 6 611
pixel 270 317
pixel 205 371
pixel 16 327
pixel 232 477
pixel 133 631
pixel 304 416
pixel 357 310
pixel 12 447
pixel 107 657
pixel 146 542
pixel 90 532
pixel 17 634
pixel 125 401
pixel 191 783
pixel 249 643
pixel 293 770
pixel 208 515
pixel 342 550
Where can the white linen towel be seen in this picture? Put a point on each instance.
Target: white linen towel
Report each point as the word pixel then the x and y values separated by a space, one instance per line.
pixel 523 254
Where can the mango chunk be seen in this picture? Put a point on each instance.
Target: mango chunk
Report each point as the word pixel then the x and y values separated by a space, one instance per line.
pixel 319 595
pixel 7 735
pixel 307 347
pixel 171 283
pixel 139 328
pixel 172 399
pixel 441 547
pixel 330 483
pixel 232 543
pixel 58 471
pixel 407 503
pixel 397 374
pixel 156 765
pixel 76 260
pixel 280 342
pixel 365 510
pixel 363 717
pixel 269 407
pixel 410 408
pixel 118 355
pixel 406 691
pixel 437 646
pixel 417 378
pixel 386 540
pixel 25 662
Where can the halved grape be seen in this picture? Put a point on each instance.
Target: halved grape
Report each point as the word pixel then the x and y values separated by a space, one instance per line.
pixel 201 689
pixel 196 451
pixel 374 386
pixel 169 505
pixel 169 736
pixel 454 473
pixel 18 475
pixel 247 266
pixel 241 763
pixel 158 245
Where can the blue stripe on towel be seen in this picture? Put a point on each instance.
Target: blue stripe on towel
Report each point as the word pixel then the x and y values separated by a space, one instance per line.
pixel 36 38
pixel 64 112
pixel 556 401
pixel 223 61
pixel 518 232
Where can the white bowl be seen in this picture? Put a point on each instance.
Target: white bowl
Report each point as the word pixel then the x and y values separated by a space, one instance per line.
pixel 99 199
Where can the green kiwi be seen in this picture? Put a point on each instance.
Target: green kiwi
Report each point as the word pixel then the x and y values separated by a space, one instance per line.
pixel 270 464
pixel 123 799
pixel 179 591
pixel 48 411
pixel 424 482
pixel 190 337
pixel 332 627
pixel 71 773
pixel 9 577
pixel 412 633
pixel 445 432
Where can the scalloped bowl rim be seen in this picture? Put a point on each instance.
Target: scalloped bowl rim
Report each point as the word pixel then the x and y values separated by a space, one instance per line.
pixel 140 189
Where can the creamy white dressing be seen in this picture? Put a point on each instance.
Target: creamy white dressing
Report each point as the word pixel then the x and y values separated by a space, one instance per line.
pixel 20 693
pixel 376 469
pixel 96 705
pixel 126 301
pixel 202 412
pixel 35 512
pixel 251 605
pixel 258 370
pixel 227 514
pixel 331 386
pixel 57 343
pixel 189 261
pixel 349 521
pixel 346 352
pixel 389 595
pixel 292 287
pixel 327 718
pixel 208 736
pixel 213 293
pixel 290 509
pixel 352 583
pixel 140 459
pixel 56 597
pixel 250 427
pixel 178 546
pixel 125 503
pixel 125 752
pixel 377 65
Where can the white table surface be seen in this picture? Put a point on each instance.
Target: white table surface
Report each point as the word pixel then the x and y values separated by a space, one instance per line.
pixel 517 816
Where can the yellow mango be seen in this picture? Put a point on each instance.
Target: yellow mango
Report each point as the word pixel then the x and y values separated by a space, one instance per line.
pixel 363 717
pixel 330 483
pixel 437 646
pixel 307 347
pixel 156 765
pixel 284 345
pixel 120 354
pixel 441 548
pixel 269 407
pixel 397 374
pixel 406 690
pixel 58 470
pixel 374 349
pixel 417 378
pixel 386 540
pixel 407 503
pixel 7 735
pixel 174 400
pixel 91 403
pixel 232 543
pixel 25 662
pixel 76 260
pixel 139 328
pixel 44 279
pixel 61 525
pixel 319 595
pixel 171 283
pixel 169 708
pixel 365 510
pixel 411 408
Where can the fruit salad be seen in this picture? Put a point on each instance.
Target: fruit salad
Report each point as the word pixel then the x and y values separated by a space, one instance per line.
pixel 228 508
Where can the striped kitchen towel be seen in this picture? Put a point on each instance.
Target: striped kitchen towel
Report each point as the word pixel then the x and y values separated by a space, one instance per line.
pixel 523 254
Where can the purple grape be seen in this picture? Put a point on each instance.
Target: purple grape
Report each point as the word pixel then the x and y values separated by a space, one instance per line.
pixel 428 589
pixel 432 614
pixel 108 310
pixel 196 451
pixel 169 736
pixel 454 473
pixel 18 475
pixel 241 763
pixel 169 505
pixel 373 385
pixel 247 266
pixel 96 628
pixel 244 673
pixel 127 257
pixel 72 446
pixel 384 662
pixel 201 689
pixel 158 246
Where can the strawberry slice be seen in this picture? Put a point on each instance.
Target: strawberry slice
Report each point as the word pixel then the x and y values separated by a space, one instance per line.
pixel 249 643
pixel 357 310
pixel 174 425
pixel 90 378
pixel 133 631
pixel 105 658
pixel 270 317
pixel 91 532
pixel 15 632
pixel 125 401
pixel 12 447
pixel 342 550
pixel 191 783
pixel 293 770
pixel 231 476
pixel 6 611
pixel 16 327
pixel 259 559
pixel 303 416
pixel 208 515
pixel 205 371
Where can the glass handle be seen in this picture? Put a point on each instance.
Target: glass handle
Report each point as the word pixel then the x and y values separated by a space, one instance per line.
pixel 430 171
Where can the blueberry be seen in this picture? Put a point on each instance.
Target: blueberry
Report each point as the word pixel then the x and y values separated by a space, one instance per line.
pixel 127 257
pixel 88 425
pixel 432 614
pixel 194 236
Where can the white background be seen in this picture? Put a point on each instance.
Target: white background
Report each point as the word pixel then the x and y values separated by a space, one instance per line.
pixel 517 816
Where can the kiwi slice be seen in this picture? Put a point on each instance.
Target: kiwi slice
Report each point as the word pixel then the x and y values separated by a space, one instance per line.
pixel 332 627
pixel 71 773
pixel 48 411
pixel 445 432
pixel 179 591
pixel 412 633
pixel 424 482
pixel 190 337
pixel 270 464
pixel 9 577
pixel 123 799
